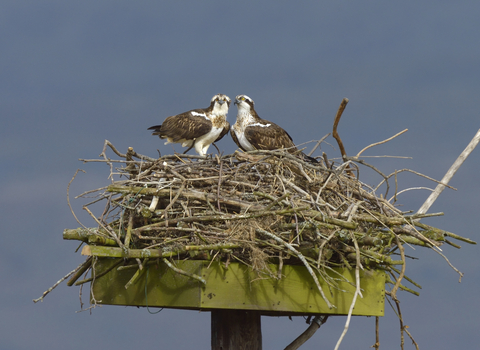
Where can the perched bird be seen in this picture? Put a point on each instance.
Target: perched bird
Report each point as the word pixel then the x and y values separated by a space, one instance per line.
pixel 197 128
pixel 250 132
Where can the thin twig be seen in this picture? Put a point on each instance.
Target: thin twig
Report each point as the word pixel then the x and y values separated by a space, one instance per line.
pixel 57 283
pixel 304 261
pixel 357 293
pixel 381 142
pixel 181 272
pixel 68 196
pixel 317 144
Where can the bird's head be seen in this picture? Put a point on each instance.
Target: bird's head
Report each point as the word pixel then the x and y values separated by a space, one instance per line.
pixel 244 102
pixel 220 104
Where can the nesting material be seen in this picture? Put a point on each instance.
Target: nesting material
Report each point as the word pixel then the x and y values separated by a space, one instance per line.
pixel 255 208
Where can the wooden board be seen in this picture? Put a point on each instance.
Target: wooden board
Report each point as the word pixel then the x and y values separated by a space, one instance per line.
pixel 238 288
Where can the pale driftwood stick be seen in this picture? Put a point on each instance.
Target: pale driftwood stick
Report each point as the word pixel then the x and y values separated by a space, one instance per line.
pixel 379 143
pixel 448 176
pixel 309 332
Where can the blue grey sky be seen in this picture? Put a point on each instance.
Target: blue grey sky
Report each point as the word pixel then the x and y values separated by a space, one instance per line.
pixel 73 74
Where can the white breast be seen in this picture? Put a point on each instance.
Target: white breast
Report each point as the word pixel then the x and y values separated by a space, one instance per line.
pixel 243 141
pixel 203 142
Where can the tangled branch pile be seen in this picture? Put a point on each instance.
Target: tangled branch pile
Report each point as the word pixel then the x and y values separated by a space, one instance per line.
pixel 255 208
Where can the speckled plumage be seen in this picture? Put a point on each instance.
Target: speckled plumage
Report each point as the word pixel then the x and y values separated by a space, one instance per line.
pixel 250 132
pixel 199 127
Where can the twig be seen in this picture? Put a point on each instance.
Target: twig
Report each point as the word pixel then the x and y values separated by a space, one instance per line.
pixel 57 283
pixel 68 196
pixel 84 267
pixel 405 190
pixel 448 176
pixel 112 234
pixel 219 180
pixel 129 231
pixel 396 172
pixel 361 161
pixel 97 275
pixel 400 318
pixel 357 293
pixel 317 144
pixel 304 261
pixel 393 292
pixel 138 274
pixel 181 272
pixel 450 264
pixel 172 202
pixel 411 338
pixel 381 142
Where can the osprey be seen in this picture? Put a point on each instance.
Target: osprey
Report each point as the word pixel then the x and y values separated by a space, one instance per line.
pixel 250 132
pixel 197 128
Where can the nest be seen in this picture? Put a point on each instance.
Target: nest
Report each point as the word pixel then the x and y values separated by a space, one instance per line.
pixel 255 208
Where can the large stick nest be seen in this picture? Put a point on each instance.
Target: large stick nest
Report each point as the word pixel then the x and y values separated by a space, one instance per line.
pixel 255 208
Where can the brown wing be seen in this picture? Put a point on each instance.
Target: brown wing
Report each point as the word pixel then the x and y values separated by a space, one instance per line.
pixel 185 126
pixel 226 129
pixel 268 137
pixel 234 137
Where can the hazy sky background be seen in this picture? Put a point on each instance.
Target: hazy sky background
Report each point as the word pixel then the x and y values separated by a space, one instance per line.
pixel 73 74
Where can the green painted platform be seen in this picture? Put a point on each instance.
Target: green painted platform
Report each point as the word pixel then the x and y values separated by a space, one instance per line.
pixel 238 288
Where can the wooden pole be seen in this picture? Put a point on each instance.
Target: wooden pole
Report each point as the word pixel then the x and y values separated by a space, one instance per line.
pixel 236 330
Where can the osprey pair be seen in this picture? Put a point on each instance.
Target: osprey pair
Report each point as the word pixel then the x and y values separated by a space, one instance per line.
pixel 200 128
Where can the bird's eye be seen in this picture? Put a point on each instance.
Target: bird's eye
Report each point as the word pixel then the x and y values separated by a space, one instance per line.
pixel 242 98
